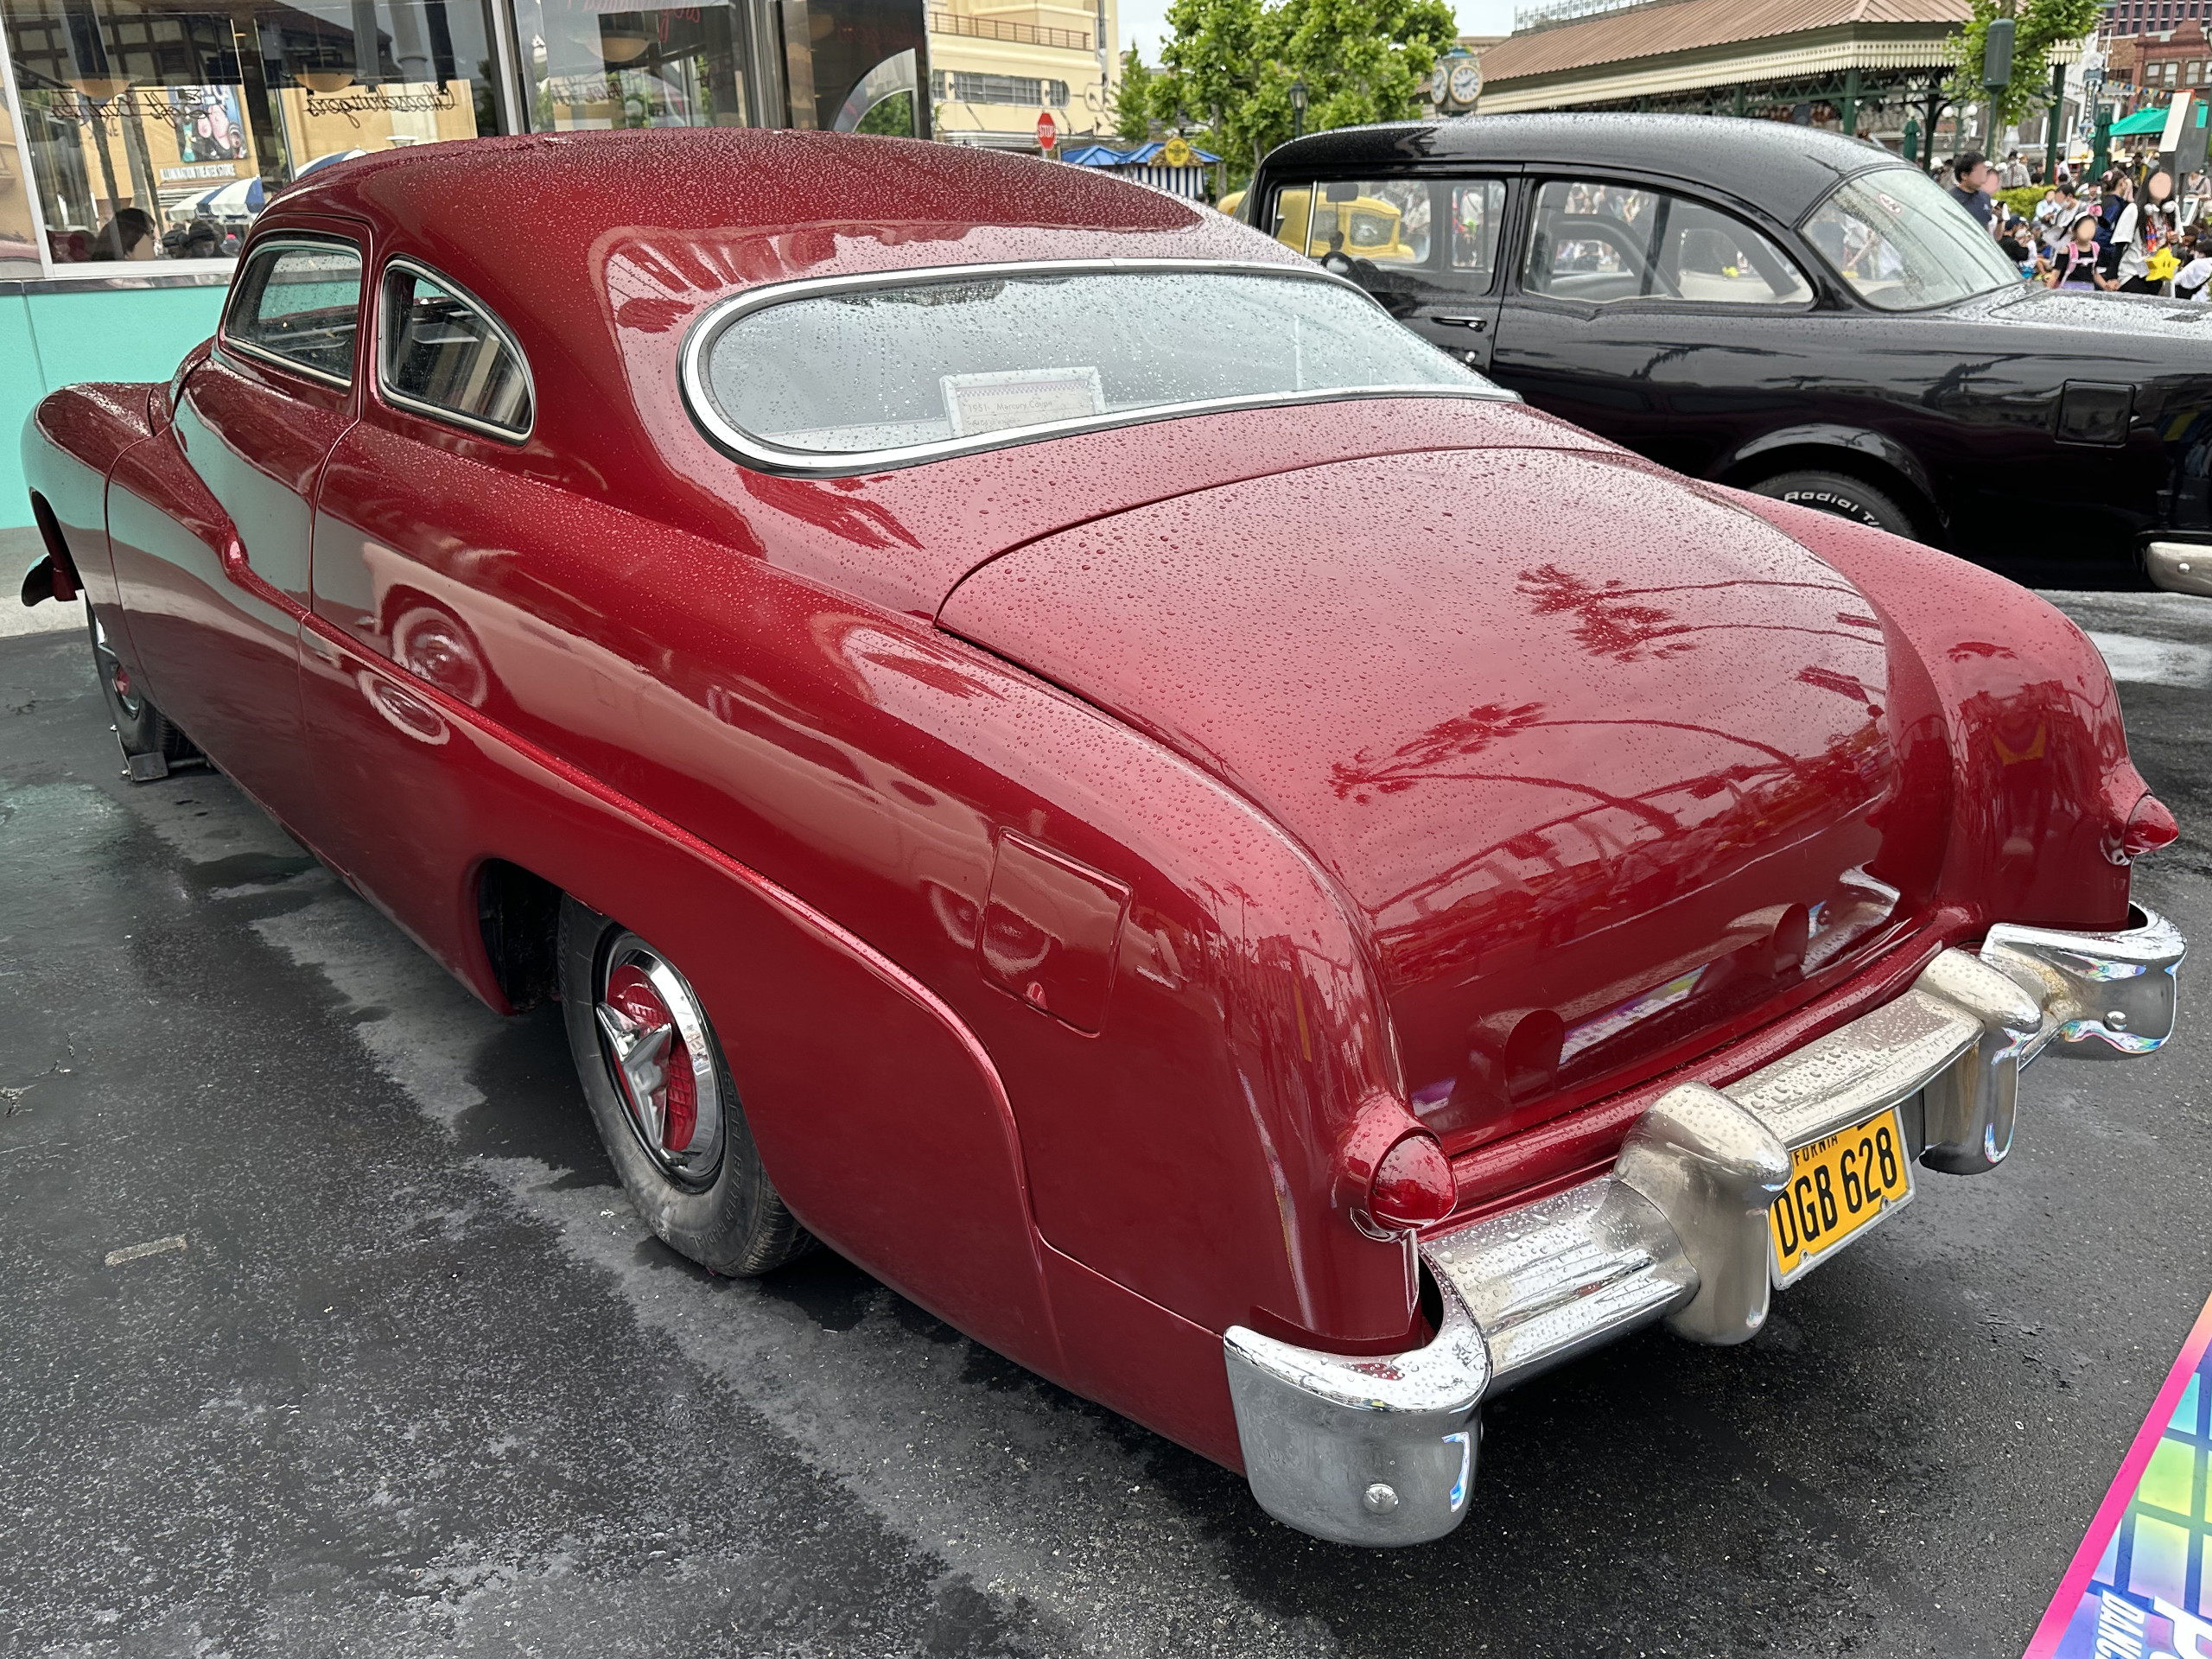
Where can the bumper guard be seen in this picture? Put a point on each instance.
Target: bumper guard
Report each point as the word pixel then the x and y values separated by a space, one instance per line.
pixel 1381 1450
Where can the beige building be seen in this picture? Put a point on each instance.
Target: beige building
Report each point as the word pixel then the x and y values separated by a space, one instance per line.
pixel 1864 68
pixel 995 67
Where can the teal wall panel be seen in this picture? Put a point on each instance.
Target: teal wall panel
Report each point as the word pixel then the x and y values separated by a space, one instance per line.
pixel 58 338
pixel 20 387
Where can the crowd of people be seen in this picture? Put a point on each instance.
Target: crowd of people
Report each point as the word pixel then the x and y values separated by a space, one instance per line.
pixel 2135 230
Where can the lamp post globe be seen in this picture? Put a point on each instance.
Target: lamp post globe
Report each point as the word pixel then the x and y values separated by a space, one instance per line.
pixel 1298 107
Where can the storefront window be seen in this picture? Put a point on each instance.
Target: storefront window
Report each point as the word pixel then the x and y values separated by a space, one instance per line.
pixel 159 130
pixel 590 67
pixel 618 63
pixel 18 213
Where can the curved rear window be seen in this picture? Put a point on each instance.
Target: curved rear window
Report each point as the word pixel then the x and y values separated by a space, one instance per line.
pixel 819 376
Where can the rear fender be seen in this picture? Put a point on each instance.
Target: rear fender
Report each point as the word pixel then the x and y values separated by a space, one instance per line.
pixel 1847 449
pixel 2041 783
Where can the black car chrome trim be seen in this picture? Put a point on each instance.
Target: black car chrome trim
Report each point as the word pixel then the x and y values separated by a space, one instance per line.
pixel 757 453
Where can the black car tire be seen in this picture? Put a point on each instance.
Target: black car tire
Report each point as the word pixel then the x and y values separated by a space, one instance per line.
pixel 140 726
pixel 731 1220
pixel 1844 496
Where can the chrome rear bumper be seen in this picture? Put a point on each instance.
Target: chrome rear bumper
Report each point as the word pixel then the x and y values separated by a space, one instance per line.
pixel 1381 1450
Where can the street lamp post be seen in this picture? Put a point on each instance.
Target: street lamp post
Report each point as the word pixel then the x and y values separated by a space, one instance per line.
pixel 1298 107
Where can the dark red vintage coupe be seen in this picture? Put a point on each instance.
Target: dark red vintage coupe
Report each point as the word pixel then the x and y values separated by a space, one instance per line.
pixel 1043 741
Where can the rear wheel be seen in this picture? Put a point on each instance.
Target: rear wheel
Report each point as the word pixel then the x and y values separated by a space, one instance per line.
pixel 1844 496
pixel 151 742
pixel 660 1092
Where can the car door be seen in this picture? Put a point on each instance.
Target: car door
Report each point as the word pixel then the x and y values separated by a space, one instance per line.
pixel 1655 317
pixel 215 620
pixel 1426 248
pixel 451 405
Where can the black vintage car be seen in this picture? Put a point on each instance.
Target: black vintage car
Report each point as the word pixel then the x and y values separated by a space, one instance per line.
pixel 1786 310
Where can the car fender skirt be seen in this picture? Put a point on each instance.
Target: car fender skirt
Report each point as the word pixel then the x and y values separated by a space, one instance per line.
pixel 1379 1450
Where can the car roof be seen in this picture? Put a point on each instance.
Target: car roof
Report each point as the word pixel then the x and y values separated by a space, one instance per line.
pixel 1784 169
pixel 724 208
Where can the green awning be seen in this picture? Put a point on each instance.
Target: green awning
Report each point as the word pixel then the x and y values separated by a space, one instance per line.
pixel 2141 121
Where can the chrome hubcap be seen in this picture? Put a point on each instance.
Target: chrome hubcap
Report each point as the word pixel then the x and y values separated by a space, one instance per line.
pixel 660 1060
pixel 113 673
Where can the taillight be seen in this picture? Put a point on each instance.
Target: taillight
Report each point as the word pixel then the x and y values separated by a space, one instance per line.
pixel 1412 1185
pixel 2149 827
pixel 1391 1176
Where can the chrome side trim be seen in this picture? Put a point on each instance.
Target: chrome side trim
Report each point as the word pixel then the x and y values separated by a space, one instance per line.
pixel 763 455
pixel 1678 1230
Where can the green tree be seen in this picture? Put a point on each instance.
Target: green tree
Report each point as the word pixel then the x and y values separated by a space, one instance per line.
pixel 893 117
pixel 1361 61
pixel 1132 98
pixel 2038 25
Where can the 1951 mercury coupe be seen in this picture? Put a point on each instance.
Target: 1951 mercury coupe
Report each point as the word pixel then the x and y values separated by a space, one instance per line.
pixel 867 626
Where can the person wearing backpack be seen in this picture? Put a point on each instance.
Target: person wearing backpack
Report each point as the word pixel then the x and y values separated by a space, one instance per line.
pixel 2080 262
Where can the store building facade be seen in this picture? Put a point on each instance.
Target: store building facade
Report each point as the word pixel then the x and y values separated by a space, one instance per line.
pixel 1864 67
pixel 995 67
pixel 139 138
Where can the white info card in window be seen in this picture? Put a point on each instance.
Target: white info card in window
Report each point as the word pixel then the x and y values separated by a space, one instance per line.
pixel 992 403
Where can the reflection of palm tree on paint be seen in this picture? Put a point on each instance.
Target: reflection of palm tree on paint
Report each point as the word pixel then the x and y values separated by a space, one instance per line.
pixel 1613 625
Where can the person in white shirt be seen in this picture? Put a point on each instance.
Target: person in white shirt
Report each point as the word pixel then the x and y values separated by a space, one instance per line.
pixel 2194 279
pixel 2015 172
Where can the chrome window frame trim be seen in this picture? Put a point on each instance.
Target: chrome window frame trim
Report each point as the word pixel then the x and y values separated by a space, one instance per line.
pixel 421 407
pixel 765 456
pixel 278 245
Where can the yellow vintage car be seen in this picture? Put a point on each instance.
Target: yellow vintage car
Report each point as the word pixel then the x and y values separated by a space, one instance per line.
pixel 1366 227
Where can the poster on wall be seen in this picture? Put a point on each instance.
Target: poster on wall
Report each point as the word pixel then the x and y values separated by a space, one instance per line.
pixel 210 126
pixel 2137 1587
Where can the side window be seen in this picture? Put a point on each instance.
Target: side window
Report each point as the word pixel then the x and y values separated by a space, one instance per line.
pixel 1397 234
pixel 1603 243
pixel 1478 211
pixel 444 355
pixel 302 303
pixel 1384 220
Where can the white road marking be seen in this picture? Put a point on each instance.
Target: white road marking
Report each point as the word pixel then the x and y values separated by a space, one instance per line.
pixel 46 617
pixel 134 1252
pixel 2154 661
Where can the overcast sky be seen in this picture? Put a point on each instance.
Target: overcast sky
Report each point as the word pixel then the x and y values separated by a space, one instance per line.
pixel 1144 25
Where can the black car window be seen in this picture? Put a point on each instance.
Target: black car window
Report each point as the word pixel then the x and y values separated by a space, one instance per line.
pixel 300 302
pixel 1600 243
pixel 1903 243
pixel 1397 235
pixel 445 355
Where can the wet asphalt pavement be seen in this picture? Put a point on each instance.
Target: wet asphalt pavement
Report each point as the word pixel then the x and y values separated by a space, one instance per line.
pixel 417 1381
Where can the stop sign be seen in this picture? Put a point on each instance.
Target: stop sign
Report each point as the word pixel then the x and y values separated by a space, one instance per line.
pixel 1048 131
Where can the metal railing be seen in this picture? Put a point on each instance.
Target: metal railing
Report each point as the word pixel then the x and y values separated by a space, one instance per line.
pixel 990 28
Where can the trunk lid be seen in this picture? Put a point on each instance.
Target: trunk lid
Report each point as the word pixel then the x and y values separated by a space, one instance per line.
pixel 1602 764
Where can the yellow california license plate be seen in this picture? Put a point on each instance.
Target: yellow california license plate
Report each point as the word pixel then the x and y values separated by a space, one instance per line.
pixel 1839 1187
